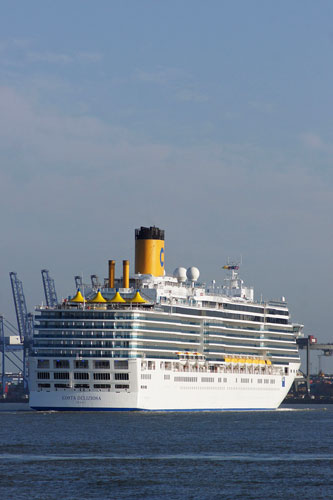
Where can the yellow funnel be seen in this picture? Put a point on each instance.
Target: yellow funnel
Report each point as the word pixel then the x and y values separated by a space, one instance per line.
pixel 149 251
pixel 78 297
pixel 138 299
pixel 117 299
pixel 98 298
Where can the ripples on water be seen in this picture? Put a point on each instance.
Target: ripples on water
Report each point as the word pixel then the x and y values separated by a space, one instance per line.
pixel 234 455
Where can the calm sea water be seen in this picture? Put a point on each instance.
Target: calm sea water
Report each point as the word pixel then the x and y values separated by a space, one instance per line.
pixel 285 454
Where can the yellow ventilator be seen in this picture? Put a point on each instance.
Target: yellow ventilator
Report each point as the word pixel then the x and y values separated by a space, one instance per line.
pixel 78 297
pixel 97 299
pixel 138 299
pixel 117 298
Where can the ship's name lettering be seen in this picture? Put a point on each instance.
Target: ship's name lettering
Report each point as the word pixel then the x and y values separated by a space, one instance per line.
pixel 81 398
pixel 88 398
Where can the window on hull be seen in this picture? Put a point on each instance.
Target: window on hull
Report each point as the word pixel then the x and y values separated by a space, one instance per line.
pixel 81 376
pixel 103 364
pixel 121 376
pixel 120 364
pixel 43 363
pixel 61 375
pixel 81 364
pixel 61 363
pixel 101 376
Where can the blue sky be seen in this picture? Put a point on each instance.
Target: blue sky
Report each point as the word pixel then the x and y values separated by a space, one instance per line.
pixel 211 120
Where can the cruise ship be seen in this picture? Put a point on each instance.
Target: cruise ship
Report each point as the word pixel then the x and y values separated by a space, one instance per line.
pixel 160 342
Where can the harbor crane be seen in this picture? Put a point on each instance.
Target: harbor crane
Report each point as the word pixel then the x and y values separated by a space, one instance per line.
pixel 25 321
pixel 9 351
pixel 78 282
pixel 49 289
pixel 310 343
pixel 95 281
pixel 87 290
pixel 3 351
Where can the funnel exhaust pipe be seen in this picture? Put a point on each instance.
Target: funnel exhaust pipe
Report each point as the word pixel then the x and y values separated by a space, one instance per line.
pixel 112 267
pixel 125 273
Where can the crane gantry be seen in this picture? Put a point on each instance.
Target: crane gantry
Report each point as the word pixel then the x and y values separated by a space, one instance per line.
pixel 25 321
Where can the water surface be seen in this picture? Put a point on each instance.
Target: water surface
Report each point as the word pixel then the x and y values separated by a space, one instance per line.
pixel 250 455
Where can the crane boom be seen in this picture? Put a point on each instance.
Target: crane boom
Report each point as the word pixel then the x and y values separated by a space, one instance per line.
pixel 49 289
pixel 78 281
pixel 20 304
pixel 95 281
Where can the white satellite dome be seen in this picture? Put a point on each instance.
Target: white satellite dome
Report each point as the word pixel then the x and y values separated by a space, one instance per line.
pixel 192 273
pixel 180 274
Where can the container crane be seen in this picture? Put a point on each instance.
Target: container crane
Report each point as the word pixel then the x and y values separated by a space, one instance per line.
pixel 87 290
pixel 310 343
pixel 49 289
pixel 25 320
pixel 3 351
pixel 8 352
pixel 95 281
pixel 78 282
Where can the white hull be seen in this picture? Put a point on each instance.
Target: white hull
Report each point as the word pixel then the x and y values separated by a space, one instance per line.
pixel 184 391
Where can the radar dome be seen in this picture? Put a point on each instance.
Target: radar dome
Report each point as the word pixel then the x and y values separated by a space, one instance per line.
pixel 180 274
pixel 192 273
